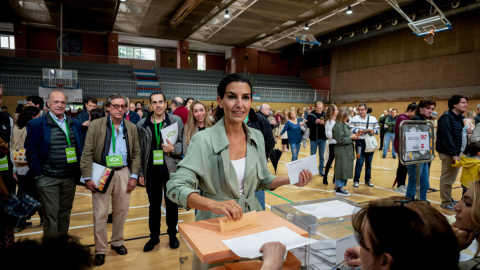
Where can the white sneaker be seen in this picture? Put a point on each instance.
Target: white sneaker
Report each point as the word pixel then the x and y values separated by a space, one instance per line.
pixel 355 184
pixel 401 190
pixel 341 192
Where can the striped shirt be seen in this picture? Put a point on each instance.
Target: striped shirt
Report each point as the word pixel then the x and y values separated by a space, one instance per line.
pixel 358 123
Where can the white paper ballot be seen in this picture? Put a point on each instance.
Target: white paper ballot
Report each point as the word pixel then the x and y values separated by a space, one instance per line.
pixel 343 244
pixel 294 168
pixel 248 246
pixel 170 133
pixel 328 209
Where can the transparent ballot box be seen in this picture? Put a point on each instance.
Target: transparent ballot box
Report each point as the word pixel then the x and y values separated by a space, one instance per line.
pixel 327 220
pixel 201 245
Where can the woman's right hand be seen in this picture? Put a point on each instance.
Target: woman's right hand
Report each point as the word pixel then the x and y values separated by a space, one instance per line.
pixel 465 238
pixel 231 209
pixel 353 253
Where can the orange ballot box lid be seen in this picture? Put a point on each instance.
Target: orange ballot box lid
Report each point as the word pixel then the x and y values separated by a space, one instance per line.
pixel 205 237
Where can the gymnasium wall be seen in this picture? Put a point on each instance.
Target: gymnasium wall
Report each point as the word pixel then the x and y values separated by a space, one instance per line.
pixel 401 66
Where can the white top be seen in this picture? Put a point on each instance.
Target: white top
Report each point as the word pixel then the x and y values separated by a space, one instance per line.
pixel 239 166
pixel 328 131
pixel 280 128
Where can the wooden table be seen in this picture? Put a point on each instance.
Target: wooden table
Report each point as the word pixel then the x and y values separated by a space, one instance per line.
pixel 205 238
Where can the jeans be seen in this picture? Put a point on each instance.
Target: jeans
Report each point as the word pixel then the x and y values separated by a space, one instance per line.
pixel 367 157
pixel 295 148
pixel 340 182
pixel 261 197
pixel 320 143
pixel 389 136
pixel 424 181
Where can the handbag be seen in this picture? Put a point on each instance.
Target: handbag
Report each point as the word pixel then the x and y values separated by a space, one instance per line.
pixel 370 142
pixel 19 155
pixel 16 210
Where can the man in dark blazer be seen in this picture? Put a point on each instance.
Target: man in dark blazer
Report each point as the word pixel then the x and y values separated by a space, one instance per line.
pixel 54 146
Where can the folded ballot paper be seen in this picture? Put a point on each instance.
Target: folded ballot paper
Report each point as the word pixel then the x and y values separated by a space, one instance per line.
pixel 101 176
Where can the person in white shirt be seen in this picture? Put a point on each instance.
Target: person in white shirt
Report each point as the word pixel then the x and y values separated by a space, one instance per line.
pixel 361 124
pixel 332 112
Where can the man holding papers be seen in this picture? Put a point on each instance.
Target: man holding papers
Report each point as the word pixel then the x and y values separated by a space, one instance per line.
pixel 111 142
pixel 161 137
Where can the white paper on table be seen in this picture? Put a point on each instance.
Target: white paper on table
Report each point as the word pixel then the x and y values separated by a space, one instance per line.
pixel 248 246
pixel 343 244
pixel 170 133
pixel 294 168
pixel 328 209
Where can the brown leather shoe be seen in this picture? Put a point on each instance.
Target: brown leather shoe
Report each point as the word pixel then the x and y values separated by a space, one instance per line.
pixel 121 250
pixel 99 259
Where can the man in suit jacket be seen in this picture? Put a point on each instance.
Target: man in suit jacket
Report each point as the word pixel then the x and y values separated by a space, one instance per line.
pixel 131 115
pixel 112 142
pixel 54 146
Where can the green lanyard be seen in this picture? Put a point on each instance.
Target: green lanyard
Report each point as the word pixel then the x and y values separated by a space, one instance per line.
pixel 66 127
pixel 246 119
pixel 113 137
pixel 156 131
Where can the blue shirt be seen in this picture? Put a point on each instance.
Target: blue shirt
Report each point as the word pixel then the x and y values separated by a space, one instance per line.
pixel 120 146
pixel 294 132
pixel 62 123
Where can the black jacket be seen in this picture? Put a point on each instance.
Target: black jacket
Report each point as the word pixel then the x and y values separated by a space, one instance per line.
pixel 317 131
pixel 449 134
pixel 260 122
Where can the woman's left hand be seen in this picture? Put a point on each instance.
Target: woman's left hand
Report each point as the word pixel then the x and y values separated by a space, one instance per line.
pixel 305 178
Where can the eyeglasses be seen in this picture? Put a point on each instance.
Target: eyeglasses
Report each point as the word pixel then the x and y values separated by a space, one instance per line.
pixel 116 107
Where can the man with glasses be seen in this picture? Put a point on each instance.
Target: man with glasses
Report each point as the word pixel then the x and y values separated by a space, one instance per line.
pixel 361 124
pixel 159 160
pixel 112 142
pixel 54 146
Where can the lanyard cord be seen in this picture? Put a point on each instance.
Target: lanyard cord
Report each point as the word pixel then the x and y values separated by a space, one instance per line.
pixel 113 137
pixel 156 131
pixel 67 134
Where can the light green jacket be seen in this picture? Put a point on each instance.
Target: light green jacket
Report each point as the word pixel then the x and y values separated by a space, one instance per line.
pixel 207 165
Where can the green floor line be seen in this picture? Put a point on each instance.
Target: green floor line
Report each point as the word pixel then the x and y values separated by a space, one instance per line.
pixel 279 196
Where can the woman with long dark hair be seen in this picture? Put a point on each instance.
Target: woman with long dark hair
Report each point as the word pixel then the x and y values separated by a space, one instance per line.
pixel 226 161
pixel 332 112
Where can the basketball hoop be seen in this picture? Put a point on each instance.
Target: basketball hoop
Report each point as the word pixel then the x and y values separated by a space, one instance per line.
pixel 60 85
pixel 429 37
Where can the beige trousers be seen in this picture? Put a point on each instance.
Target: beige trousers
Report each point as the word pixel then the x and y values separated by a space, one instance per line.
pixel 117 191
pixel 447 178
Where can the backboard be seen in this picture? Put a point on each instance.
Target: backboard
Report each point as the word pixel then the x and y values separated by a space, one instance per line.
pixel 59 78
pixel 306 39
pixel 435 24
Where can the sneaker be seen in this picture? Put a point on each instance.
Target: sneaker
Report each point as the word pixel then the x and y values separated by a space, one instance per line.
pixel 355 184
pixel 454 201
pixel 369 183
pixel 322 174
pixel 448 206
pixel 383 156
pixel 401 190
pixel 341 192
pixel 25 226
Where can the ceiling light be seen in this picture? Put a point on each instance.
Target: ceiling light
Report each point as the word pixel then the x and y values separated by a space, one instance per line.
pixel 123 0
pixel 349 10
pixel 306 26
pixel 227 15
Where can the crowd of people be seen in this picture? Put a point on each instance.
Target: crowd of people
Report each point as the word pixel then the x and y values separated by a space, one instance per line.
pixel 218 166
